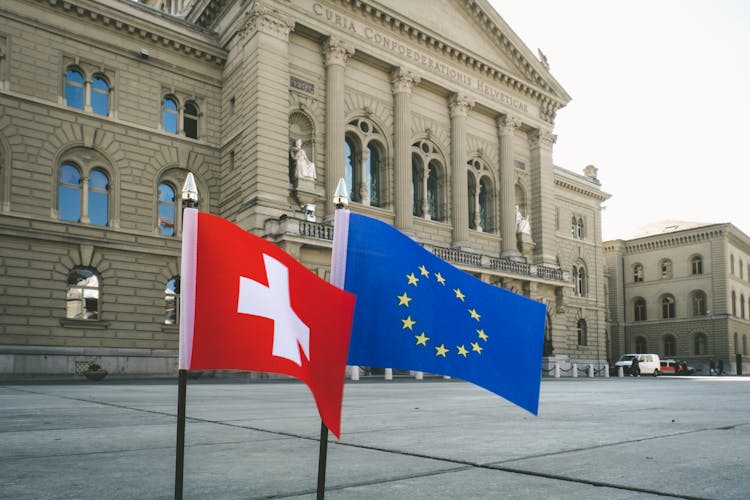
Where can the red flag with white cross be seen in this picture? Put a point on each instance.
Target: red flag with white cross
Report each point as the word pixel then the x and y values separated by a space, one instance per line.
pixel 248 305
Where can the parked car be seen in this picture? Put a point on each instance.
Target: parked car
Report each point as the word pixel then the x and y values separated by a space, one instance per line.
pixel 675 367
pixel 647 363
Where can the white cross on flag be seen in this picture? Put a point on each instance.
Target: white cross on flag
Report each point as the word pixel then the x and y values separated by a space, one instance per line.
pixel 248 305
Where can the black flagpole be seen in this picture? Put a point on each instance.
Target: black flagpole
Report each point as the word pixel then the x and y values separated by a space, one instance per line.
pixel 180 457
pixel 322 456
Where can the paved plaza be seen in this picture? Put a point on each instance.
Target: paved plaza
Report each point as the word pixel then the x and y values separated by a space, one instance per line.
pixel 433 439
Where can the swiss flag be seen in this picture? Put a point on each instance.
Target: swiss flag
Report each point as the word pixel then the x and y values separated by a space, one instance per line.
pixel 248 305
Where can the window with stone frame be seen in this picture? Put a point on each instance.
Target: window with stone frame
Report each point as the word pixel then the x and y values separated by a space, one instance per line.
pixel 582 331
pixel 82 295
pixel 480 196
pixel 365 167
pixel 669 345
pixel 700 344
pixel 639 309
pixel 699 303
pixel 88 86
pixel 665 269
pixel 580 280
pixel 181 113
pixel 696 265
pixel 172 301
pixel 637 273
pixel 190 119
pixel 641 345
pixel 83 191
pixel 734 303
pixel 170 114
pixel 168 203
pixel 428 181
pixel 667 307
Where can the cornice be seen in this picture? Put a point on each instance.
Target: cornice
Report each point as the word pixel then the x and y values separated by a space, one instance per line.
pixel 676 239
pixel 581 189
pixel 112 15
pixel 550 98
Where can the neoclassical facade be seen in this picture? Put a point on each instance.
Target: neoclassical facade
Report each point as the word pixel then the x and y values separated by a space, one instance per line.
pixel 437 116
pixel 681 290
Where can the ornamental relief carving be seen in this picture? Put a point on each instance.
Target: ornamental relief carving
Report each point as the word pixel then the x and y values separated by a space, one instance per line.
pixel 422 126
pixel 484 149
pixel 260 18
pixel 542 139
pixel 359 104
pixel 337 51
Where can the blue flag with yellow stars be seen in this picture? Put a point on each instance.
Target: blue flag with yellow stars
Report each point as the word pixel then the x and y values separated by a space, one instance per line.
pixel 414 311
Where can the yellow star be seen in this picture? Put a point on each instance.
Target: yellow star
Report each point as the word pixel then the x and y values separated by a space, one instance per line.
pixel 408 323
pixel 424 272
pixel 440 279
pixel 422 339
pixel 460 296
pixel 482 335
pixel 462 350
pixel 441 350
pixel 476 347
pixel 412 279
pixel 474 314
pixel 403 300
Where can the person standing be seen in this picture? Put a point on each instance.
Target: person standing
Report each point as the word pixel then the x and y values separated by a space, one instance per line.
pixel 721 367
pixel 712 367
pixel 635 368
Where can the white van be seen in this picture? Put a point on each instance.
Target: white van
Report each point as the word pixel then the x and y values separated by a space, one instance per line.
pixel 647 363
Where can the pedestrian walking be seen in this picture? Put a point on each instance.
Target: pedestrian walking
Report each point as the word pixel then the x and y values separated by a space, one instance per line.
pixel 635 368
pixel 712 367
pixel 721 366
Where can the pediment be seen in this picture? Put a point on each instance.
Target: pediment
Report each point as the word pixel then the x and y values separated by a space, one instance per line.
pixel 475 28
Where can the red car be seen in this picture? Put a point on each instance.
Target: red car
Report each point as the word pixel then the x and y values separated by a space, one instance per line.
pixel 675 367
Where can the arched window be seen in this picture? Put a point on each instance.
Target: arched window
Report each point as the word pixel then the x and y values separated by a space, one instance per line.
pixel 579 228
pixel 69 193
pixel 637 273
pixel 75 88
pixel 667 307
pixel 734 303
pixel 190 120
pixel 169 114
pixel 82 297
pixel 698 301
pixel 665 269
pixel 670 346
pixel 427 178
pixel 700 344
pixel 641 345
pixel 742 270
pixel 480 195
pixel 171 301
pixel 639 309
pixel 100 95
pixel 167 209
pixel 582 332
pixel 580 281
pixel 98 197
pixel 365 167
pixel 373 172
pixel 742 305
pixel 731 264
pixel 696 264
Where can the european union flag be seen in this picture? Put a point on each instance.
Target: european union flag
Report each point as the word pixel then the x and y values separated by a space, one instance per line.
pixel 414 311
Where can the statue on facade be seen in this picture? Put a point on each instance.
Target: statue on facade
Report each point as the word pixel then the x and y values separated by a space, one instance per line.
pixel 522 223
pixel 303 166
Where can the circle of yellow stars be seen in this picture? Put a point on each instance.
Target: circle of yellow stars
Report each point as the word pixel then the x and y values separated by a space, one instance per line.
pixel 407 323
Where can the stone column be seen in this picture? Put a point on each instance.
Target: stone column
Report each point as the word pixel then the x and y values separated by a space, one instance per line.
pixel 259 83
pixel 459 106
pixel 506 127
pixel 85 199
pixel 336 52
pixel 402 81
pixel 542 197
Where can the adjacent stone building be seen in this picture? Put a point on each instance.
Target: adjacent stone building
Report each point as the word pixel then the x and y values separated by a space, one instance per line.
pixel 439 118
pixel 681 290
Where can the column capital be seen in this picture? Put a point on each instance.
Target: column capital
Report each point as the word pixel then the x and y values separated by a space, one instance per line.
pixel 507 125
pixel 337 51
pixel 403 80
pixel 261 18
pixel 542 138
pixel 460 104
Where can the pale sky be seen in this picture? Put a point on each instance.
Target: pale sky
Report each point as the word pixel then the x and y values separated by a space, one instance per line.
pixel 661 102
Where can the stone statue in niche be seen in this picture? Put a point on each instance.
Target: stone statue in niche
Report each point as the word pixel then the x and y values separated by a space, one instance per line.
pixel 304 168
pixel 522 223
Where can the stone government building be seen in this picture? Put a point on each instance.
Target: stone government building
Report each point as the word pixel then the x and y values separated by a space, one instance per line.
pixel 437 115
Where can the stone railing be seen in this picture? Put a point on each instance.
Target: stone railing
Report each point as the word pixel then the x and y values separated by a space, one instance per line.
pixel 325 232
